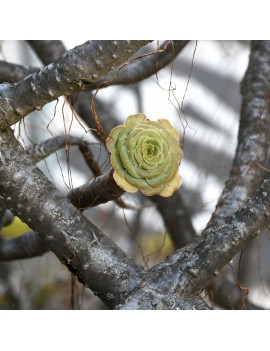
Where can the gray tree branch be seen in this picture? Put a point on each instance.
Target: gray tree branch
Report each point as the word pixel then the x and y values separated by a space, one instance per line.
pixel 144 68
pixel 47 147
pixel 47 50
pixel 219 246
pixel 187 272
pixel 24 246
pixel 83 248
pixel 176 218
pixel 253 136
pixel 50 50
pixel 28 245
pixel 228 296
pixel 12 72
pixel 71 72
pixel 99 191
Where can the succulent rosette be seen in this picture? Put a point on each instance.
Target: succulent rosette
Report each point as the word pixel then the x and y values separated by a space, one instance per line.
pixel 145 155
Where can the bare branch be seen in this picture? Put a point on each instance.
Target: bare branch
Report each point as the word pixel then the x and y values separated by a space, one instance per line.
pixel 227 295
pixel 187 272
pixel 78 244
pixel 176 218
pixel 253 136
pixel 47 50
pixel 50 50
pixel 139 70
pixel 99 191
pixel 47 147
pixel 29 244
pixel 24 246
pixel 215 250
pixel 71 72
pixel 12 72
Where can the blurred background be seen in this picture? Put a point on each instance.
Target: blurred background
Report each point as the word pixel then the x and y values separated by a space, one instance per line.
pixel 204 106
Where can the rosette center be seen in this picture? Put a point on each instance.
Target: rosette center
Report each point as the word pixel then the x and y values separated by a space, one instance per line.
pixel 150 151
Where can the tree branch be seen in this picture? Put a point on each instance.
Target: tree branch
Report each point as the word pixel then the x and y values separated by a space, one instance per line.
pixel 71 72
pixel 83 248
pixel 24 246
pixel 29 244
pixel 12 72
pixel 217 249
pixel 50 50
pixel 81 102
pixel 187 272
pixel 253 136
pixel 227 295
pixel 99 191
pixel 47 50
pixel 144 68
pixel 176 218
pixel 46 147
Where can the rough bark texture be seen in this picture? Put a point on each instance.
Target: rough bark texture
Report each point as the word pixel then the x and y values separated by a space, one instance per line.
pixel 149 298
pixel 102 265
pixel 253 136
pixel 187 272
pixel 143 68
pixel 253 139
pixel 78 244
pixel 71 72
pixel 27 245
pixel 220 246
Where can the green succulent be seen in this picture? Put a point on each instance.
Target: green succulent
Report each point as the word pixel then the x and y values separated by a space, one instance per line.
pixel 145 155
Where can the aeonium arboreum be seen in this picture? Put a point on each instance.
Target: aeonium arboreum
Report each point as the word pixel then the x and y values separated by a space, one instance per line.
pixel 145 155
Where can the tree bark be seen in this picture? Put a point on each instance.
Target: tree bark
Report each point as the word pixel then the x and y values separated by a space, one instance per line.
pixel 71 72
pixel 82 247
